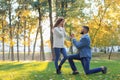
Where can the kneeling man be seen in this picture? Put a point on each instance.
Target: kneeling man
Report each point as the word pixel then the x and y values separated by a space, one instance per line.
pixel 84 54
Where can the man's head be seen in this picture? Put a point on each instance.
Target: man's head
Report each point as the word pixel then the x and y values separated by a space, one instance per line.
pixel 85 29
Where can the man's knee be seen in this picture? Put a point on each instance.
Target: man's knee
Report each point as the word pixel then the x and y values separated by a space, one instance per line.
pixel 69 57
pixel 66 57
pixel 87 72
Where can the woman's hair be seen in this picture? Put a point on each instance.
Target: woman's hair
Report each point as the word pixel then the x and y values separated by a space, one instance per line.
pixel 58 21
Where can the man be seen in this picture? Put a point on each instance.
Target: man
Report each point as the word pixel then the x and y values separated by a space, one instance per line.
pixel 84 54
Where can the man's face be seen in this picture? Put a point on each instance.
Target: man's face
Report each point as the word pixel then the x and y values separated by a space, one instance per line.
pixel 82 31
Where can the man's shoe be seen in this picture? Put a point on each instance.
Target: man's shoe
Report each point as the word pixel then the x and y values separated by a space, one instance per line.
pixel 104 71
pixel 75 73
pixel 58 71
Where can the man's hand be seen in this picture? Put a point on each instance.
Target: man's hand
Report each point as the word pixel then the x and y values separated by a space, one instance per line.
pixel 72 36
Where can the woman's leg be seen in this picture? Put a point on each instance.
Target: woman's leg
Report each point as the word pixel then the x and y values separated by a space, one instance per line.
pixel 57 56
pixel 64 53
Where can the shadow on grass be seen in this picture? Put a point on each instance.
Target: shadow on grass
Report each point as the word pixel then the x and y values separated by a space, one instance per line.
pixel 10 66
pixel 46 71
pixel 18 66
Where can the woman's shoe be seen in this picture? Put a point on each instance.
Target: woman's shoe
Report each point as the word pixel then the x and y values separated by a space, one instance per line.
pixel 75 73
pixel 59 67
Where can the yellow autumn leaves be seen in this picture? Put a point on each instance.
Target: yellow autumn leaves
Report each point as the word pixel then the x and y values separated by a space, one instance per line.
pixel 30 28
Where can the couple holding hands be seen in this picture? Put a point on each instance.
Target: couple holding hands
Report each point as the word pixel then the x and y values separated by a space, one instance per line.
pixel 83 45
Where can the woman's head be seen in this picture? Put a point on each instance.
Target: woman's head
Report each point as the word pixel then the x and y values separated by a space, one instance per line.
pixel 59 22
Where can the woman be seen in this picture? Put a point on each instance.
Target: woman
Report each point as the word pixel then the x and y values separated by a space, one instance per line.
pixel 58 43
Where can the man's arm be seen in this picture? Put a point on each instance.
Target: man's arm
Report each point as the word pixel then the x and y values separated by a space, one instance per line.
pixel 83 42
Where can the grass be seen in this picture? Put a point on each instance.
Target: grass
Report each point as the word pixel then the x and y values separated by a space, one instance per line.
pixel 45 71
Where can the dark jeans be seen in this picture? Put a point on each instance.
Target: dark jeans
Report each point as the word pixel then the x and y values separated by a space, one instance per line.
pixel 57 56
pixel 85 63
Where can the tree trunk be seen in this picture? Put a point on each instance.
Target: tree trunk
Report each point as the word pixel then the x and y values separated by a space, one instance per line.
pixel 9 53
pixel 56 9
pixel 118 48
pixel 51 27
pixel 66 3
pixel 3 46
pixel 24 39
pixel 18 39
pixel 11 33
pixel 35 44
pixel 105 50
pixel 41 37
pixel 110 53
pixel 28 43
pixel 62 8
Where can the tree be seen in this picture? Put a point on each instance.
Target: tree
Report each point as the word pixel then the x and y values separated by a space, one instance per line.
pixel 41 35
pixel 32 22
pixel 18 33
pixel 18 30
pixel 3 32
pixel 38 6
pixel 2 21
pixel 11 29
pixel 51 27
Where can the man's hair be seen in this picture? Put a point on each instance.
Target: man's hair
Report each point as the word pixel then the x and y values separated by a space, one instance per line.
pixel 86 27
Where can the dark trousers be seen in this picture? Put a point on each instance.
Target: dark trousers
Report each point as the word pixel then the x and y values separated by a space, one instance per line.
pixel 59 51
pixel 85 63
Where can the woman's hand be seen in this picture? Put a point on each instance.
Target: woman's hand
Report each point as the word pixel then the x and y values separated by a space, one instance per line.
pixel 52 30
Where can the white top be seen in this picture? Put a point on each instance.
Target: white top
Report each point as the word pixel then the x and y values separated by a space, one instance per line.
pixel 58 37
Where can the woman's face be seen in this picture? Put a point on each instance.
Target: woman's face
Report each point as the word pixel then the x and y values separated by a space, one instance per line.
pixel 62 22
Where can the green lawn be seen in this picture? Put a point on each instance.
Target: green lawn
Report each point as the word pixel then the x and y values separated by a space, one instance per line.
pixel 46 71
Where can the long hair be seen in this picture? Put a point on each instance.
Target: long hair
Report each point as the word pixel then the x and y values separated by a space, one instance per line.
pixel 58 21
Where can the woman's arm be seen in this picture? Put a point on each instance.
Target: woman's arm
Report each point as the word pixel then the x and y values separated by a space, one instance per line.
pixel 66 36
pixel 60 32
